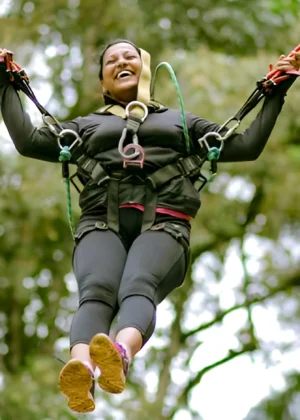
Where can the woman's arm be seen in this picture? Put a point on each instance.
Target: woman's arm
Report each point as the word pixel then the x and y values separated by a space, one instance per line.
pixel 37 143
pixel 248 145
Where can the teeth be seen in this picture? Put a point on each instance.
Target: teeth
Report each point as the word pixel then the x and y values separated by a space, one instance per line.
pixel 124 73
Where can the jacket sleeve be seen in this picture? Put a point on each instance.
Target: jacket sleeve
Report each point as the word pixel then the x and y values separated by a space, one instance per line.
pixel 248 145
pixel 30 141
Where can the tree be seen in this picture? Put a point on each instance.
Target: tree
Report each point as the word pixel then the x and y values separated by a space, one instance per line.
pixel 254 203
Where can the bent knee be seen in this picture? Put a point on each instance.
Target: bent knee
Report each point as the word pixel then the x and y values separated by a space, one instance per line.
pixel 138 284
pixel 97 287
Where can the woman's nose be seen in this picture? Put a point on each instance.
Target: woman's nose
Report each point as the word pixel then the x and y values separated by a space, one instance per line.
pixel 122 61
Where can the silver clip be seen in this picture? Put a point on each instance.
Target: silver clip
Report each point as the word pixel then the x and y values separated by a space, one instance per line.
pixel 68 131
pixel 214 134
pixel 230 130
pixel 135 141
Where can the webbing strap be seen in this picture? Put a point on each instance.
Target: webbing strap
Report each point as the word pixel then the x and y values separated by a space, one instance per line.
pixel 162 176
pixel 92 168
pixel 149 209
pixel 188 166
pixel 143 94
pixel 113 204
pixel 133 125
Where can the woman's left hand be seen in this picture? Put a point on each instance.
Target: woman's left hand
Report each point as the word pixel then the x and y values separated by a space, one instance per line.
pixel 286 64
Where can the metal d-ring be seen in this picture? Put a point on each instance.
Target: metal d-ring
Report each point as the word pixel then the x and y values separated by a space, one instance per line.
pixel 134 104
pixel 214 134
pixel 68 131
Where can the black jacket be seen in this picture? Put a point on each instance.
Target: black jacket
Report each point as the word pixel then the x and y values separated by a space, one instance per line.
pixel 161 136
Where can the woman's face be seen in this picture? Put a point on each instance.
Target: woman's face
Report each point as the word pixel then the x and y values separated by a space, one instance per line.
pixel 121 72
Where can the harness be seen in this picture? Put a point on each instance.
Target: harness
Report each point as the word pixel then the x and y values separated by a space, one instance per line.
pixel 133 154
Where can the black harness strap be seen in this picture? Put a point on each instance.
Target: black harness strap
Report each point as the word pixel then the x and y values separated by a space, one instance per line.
pixel 133 124
pixel 93 169
pixel 149 209
pixel 113 204
pixel 189 166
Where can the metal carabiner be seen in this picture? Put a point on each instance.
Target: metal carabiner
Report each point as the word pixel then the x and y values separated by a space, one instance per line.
pixel 230 130
pixel 51 126
pixel 121 144
pixel 214 134
pixel 68 131
pixel 135 141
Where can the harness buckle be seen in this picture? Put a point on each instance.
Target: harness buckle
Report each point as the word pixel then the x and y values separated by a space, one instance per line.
pixel 189 166
pixel 139 151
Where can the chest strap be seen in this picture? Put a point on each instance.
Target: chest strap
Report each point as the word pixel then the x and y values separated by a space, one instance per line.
pixel 189 166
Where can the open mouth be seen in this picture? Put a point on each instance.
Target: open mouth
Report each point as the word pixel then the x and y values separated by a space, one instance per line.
pixel 124 74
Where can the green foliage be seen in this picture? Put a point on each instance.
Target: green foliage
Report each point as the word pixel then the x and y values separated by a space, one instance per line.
pixel 280 405
pixel 219 50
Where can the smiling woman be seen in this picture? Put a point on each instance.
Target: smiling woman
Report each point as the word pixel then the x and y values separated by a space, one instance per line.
pixel 120 71
pixel 132 239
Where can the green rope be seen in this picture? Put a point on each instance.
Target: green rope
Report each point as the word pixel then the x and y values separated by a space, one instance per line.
pixel 179 97
pixel 213 154
pixel 69 205
pixel 65 156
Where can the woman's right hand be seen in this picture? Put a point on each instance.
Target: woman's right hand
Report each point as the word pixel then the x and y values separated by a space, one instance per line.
pixel 5 55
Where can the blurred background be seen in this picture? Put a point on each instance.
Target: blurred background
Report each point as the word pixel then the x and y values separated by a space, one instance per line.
pixel 227 342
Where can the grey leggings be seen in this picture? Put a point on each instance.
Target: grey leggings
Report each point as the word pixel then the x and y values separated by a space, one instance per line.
pixel 129 273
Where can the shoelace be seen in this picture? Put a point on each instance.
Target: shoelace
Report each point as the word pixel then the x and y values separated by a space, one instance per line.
pixel 121 350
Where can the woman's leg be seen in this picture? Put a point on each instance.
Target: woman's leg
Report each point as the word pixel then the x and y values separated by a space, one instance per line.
pixel 98 265
pixel 98 262
pixel 156 264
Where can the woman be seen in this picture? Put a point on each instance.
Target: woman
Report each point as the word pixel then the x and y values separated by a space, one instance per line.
pixel 132 239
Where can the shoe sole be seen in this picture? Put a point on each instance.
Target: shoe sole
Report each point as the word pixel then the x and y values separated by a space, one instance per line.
pixel 104 354
pixel 75 382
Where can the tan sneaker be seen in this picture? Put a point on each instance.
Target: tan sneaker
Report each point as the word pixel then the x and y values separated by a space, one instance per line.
pixel 76 383
pixel 112 360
